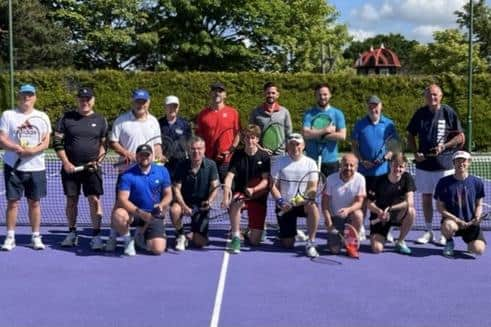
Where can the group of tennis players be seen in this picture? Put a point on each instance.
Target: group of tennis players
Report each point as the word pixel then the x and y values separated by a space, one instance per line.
pixel 186 168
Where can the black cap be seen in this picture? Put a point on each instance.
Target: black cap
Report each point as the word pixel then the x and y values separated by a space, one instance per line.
pixel 85 92
pixel 217 86
pixel 144 148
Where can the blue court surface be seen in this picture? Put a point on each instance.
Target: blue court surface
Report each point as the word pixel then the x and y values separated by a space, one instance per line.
pixel 265 286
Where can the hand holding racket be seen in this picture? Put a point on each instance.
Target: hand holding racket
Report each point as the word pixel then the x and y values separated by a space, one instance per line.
pixel 272 138
pixel 323 122
pixel 91 166
pixel 390 146
pixel 446 136
pixel 309 187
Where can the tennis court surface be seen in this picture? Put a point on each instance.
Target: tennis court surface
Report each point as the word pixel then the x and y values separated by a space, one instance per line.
pixel 265 286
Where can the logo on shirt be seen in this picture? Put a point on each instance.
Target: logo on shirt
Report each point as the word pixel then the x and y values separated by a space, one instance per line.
pixel 93 125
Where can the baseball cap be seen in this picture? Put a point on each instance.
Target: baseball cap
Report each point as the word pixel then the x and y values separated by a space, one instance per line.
pixel 27 88
pixel 144 148
pixel 217 86
pixel 171 99
pixel 141 94
pixel 461 155
pixel 295 137
pixel 374 99
pixel 85 92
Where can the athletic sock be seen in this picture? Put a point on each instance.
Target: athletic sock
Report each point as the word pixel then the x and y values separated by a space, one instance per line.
pixel 127 237
pixel 11 233
pixel 35 234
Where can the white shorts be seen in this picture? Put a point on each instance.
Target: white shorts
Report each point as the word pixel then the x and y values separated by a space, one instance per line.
pixel 426 180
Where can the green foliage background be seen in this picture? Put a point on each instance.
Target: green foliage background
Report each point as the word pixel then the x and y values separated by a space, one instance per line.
pixel 401 94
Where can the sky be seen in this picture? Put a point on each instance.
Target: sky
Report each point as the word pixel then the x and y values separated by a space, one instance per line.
pixel 414 19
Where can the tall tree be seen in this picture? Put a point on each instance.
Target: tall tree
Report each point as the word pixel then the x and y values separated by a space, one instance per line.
pixel 283 35
pixel 105 33
pixel 39 42
pixel 395 42
pixel 448 54
pixel 481 26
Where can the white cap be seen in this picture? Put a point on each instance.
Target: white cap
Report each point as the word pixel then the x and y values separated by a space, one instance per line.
pixel 295 137
pixel 171 99
pixel 461 155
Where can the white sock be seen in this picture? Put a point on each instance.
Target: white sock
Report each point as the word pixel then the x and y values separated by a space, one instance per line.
pixel 35 234
pixel 11 233
pixel 236 234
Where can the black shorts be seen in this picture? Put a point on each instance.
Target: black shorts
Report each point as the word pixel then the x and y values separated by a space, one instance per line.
pixel 90 182
pixel 155 229
pixel 470 234
pixel 383 228
pixel 370 183
pixel 288 221
pixel 32 184
pixel 200 223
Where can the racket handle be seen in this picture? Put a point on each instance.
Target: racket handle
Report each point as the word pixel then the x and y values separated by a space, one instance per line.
pixel 319 162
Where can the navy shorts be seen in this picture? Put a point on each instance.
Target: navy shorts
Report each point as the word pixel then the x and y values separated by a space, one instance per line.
pixel 32 184
pixel 470 234
pixel 155 229
pixel 200 223
pixel 89 182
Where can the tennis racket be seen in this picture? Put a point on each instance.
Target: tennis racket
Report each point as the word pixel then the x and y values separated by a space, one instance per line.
pixel 443 138
pixel 29 135
pixel 272 137
pixel 349 237
pixel 93 165
pixel 484 217
pixel 391 144
pixel 321 121
pixel 244 195
pixel 311 185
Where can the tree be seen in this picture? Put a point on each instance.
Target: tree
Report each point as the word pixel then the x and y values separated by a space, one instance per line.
pixel 39 42
pixel 481 26
pixel 395 42
pixel 107 34
pixel 273 35
pixel 448 54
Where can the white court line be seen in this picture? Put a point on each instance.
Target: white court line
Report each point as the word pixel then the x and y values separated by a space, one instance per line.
pixel 215 316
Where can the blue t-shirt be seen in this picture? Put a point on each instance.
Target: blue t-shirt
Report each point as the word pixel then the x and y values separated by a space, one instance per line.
pixel 432 128
pixel 460 197
pixel 371 138
pixel 146 190
pixel 326 148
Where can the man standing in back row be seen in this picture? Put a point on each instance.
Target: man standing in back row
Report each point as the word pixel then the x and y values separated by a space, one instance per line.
pixel 440 134
pixel 323 142
pixel 80 136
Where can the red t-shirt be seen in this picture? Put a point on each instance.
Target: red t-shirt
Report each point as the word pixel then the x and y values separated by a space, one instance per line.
pixel 218 128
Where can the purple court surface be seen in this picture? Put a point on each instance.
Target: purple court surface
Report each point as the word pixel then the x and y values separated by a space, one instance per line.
pixel 265 286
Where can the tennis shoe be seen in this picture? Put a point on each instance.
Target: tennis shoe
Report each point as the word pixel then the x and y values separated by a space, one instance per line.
pixel 181 243
pixel 129 248
pixel 70 240
pixel 234 246
pixel 352 251
pixel 8 244
pixel 448 249
pixel 37 242
pixel 402 248
pixel 390 237
pixel 310 250
pixel 96 243
pixel 301 237
pixel 111 244
pixel 425 238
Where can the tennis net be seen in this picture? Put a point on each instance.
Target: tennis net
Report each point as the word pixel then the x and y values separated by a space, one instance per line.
pixel 53 205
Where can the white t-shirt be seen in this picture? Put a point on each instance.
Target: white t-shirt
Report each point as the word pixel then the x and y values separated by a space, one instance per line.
pixel 343 193
pixel 289 173
pixel 10 122
pixel 131 133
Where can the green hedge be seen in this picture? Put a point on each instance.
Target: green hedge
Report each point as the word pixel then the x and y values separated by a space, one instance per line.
pixel 401 94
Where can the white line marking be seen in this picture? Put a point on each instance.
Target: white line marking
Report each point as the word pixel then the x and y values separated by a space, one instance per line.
pixel 215 316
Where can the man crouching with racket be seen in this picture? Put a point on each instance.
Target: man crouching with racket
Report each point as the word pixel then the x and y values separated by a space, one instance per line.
pixel 342 206
pixel 460 200
pixel 288 174
pixel 247 187
pixel 144 193
pixel 391 203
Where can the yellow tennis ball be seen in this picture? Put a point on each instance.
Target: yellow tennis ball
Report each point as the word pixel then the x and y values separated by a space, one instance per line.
pixel 297 199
